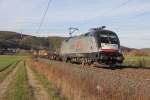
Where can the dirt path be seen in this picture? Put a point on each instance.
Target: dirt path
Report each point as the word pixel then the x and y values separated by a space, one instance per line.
pixel 39 91
pixel 4 85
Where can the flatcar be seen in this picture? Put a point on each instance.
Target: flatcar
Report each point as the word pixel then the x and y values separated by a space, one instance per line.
pixel 40 53
pixel 98 45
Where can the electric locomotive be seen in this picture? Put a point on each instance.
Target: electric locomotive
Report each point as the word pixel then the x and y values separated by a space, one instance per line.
pixel 97 45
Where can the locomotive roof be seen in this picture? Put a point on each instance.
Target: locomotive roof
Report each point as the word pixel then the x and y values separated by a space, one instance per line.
pixel 90 32
pixel 103 30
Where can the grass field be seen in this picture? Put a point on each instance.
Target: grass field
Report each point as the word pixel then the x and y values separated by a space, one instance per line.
pixel 17 82
pixel 3 74
pixel 137 61
pixel 7 64
pixel 6 61
pixel 14 84
pixel 22 78
pixel 19 89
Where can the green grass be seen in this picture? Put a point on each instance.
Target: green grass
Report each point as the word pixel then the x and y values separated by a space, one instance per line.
pixel 53 94
pixel 6 61
pixel 10 68
pixel 137 61
pixel 19 89
pixel 7 64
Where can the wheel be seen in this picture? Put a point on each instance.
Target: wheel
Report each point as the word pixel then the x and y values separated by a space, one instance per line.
pixel 64 59
pixel 83 63
pixel 112 66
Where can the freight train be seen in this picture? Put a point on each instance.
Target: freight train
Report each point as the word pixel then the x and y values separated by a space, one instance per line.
pixel 98 45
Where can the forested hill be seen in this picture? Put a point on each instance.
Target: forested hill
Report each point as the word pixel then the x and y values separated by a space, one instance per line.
pixel 16 40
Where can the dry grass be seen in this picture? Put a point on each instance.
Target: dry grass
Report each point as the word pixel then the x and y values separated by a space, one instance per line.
pixel 84 85
pixel 53 94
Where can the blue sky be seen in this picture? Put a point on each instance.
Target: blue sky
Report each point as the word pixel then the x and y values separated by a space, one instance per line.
pixel 130 19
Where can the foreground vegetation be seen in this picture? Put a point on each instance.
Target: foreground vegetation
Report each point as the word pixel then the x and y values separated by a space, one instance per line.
pixel 73 81
pixel 88 83
pixel 19 89
pixel 15 81
pixel 54 94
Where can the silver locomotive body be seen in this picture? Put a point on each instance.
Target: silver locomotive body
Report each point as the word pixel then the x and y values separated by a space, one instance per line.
pixel 99 45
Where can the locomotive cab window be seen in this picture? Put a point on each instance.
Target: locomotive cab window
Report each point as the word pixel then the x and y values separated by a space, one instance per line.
pixel 106 37
pixel 113 39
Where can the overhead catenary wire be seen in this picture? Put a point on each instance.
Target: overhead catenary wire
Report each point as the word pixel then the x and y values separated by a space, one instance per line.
pixel 50 1
pixel 123 4
pixel 118 6
pixel 44 16
pixel 110 10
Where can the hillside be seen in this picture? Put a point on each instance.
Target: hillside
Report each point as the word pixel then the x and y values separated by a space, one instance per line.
pixel 17 40
pixel 146 49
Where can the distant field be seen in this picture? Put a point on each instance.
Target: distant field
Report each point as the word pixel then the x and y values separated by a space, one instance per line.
pixel 5 61
pixel 137 61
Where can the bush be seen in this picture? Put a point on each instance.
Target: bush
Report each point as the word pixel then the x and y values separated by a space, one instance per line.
pixel 137 52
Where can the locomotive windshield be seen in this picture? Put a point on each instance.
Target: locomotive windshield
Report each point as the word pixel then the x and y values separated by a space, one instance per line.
pixel 107 37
